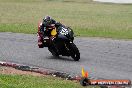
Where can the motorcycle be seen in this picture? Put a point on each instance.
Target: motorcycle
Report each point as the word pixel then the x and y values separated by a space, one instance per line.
pixel 60 42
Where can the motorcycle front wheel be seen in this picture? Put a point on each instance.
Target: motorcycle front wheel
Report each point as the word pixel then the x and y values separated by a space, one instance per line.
pixel 75 54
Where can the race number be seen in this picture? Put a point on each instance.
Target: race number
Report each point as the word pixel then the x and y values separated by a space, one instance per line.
pixel 64 31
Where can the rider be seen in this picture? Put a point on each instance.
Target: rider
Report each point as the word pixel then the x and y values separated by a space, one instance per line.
pixel 47 21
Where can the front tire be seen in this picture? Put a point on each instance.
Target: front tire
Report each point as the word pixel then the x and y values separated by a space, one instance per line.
pixel 75 54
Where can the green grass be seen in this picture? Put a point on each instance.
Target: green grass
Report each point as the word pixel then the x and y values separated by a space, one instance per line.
pixel 24 81
pixel 87 18
pixel 18 28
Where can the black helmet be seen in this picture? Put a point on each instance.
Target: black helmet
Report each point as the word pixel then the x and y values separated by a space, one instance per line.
pixel 47 18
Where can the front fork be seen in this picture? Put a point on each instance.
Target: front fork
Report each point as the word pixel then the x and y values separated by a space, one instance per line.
pixel 67 47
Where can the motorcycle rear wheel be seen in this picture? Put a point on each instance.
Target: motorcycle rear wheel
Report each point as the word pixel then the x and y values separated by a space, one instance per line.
pixel 53 51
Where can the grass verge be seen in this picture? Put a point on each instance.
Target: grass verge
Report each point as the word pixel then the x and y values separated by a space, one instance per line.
pixel 87 18
pixel 12 78
pixel 27 81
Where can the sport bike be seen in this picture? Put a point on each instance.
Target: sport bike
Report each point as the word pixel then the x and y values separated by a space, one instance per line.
pixel 60 41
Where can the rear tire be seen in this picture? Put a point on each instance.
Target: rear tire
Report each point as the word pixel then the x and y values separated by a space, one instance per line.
pixel 53 51
pixel 75 54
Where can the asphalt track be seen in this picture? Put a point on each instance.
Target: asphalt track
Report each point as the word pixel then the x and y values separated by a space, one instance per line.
pixel 102 58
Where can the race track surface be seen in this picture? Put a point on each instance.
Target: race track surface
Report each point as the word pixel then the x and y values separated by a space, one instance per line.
pixel 102 58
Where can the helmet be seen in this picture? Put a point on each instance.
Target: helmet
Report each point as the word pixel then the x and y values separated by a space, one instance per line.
pixel 47 19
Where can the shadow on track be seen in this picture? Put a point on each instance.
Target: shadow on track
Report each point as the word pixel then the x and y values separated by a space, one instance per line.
pixel 60 58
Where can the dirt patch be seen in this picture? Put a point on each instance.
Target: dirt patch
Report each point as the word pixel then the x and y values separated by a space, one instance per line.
pixel 9 70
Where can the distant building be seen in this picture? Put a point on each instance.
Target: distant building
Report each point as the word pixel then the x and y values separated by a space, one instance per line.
pixel 115 1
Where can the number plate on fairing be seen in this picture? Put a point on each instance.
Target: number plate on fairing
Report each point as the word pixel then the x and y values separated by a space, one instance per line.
pixel 64 31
